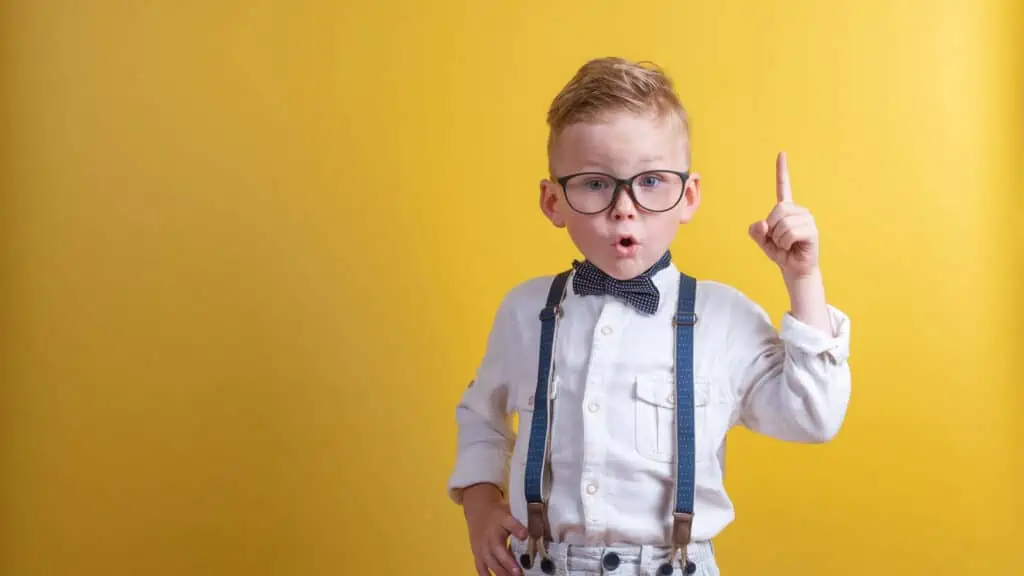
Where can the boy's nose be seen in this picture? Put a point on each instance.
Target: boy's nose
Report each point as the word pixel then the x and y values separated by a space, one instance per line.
pixel 624 209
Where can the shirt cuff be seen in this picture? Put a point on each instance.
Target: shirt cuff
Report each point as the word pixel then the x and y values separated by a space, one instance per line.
pixel 815 342
pixel 485 467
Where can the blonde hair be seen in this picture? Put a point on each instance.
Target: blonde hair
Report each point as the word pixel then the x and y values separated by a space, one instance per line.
pixel 608 85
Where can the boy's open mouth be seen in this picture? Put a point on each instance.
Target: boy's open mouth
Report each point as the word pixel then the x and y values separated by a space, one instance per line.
pixel 626 246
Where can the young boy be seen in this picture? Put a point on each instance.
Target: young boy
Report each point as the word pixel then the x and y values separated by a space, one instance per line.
pixel 626 374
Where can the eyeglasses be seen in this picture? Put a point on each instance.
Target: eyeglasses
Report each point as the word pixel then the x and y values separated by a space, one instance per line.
pixel 595 192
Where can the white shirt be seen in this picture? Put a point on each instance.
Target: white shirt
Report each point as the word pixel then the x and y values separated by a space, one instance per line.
pixel 613 382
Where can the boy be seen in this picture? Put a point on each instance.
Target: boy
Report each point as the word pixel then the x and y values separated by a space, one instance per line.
pixel 626 373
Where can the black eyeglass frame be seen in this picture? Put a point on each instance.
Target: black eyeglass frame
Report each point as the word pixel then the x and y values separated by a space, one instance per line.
pixel 621 183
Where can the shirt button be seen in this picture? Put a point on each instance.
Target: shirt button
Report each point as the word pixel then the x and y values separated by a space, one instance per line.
pixel 591 489
pixel 593 407
pixel 606 330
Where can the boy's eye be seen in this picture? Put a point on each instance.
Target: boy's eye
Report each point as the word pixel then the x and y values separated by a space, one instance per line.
pixel 596 184
pixel 649 181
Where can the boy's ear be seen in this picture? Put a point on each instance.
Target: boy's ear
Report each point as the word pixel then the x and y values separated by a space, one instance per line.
pixel 691 198
pixel 550 202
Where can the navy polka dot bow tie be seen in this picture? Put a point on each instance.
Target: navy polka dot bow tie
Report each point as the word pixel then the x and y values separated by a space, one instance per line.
pixel 640 292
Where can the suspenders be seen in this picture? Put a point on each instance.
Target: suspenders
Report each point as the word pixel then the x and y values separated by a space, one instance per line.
pixel 538 528
pixel 682 514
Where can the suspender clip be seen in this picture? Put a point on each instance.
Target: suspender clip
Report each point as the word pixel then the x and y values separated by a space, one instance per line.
pixel 538 533
pixel 682 524
pixel 550 313
pixel 685 319
pixel 537 521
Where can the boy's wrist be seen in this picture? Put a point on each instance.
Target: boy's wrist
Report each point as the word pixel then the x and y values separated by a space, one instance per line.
pixel 483 493
pixel 803 281
pixel 807 299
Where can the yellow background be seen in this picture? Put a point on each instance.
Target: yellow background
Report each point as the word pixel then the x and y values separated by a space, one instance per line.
pixel 251 250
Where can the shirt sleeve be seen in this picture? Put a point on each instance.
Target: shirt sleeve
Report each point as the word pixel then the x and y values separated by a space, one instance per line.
pixel 485 437
pixel 792 384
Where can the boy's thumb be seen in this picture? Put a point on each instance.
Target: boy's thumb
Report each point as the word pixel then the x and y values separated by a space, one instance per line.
pixel 514 527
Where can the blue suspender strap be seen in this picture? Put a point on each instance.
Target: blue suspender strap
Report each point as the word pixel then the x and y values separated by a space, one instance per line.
pixel 682 514
pixel 537 450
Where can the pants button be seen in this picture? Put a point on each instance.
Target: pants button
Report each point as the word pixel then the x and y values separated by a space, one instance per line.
pixel 610 561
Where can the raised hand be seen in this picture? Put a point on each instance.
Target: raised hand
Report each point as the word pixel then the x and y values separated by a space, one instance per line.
pixel 788 235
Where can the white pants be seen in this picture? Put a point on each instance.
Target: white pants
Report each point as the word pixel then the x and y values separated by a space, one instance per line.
pixel 573 560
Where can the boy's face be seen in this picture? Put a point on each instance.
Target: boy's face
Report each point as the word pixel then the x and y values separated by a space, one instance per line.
pixel 625 239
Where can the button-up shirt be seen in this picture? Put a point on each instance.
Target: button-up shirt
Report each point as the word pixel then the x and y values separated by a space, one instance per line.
pixel 613 415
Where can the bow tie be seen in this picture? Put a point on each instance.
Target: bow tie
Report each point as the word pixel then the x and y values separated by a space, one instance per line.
pixel 639 292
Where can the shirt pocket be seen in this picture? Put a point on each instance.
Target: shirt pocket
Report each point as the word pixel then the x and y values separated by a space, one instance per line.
pixel 656 414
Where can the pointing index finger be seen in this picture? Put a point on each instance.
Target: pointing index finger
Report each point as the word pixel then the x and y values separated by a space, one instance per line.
pixel 783 193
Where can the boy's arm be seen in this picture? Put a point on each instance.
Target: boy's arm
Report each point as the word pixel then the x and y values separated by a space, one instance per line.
pixel 485 437
pixel 794 385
